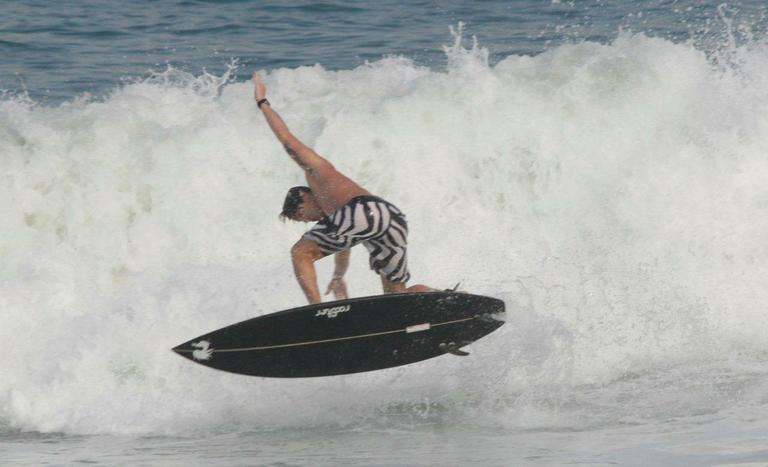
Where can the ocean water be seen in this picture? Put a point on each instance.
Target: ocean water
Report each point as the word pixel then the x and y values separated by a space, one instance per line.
pixel 600 166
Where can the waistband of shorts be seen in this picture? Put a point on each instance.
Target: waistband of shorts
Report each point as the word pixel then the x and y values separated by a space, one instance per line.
pixel 363 198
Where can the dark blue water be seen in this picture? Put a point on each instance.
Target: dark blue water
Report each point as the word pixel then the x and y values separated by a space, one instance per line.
pixel 57 50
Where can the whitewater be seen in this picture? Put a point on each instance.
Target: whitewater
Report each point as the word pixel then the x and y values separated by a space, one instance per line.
pixel 614 195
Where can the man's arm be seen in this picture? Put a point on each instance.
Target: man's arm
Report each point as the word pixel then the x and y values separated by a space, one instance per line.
pixel 299 152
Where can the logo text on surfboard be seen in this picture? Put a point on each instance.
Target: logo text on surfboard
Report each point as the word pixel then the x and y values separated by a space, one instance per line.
pixel 333 311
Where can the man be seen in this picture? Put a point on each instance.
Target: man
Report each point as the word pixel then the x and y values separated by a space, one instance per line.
pixel 346 215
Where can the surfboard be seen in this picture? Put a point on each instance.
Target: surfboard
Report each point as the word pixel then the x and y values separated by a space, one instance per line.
pixel 348 336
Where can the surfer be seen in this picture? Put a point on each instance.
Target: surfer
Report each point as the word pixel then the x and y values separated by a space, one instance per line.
pixel 345 213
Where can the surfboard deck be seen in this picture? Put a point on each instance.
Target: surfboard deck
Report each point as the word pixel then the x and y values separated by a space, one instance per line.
pixel 348 336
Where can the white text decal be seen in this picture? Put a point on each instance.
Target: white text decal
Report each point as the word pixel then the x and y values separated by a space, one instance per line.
pixel 332 312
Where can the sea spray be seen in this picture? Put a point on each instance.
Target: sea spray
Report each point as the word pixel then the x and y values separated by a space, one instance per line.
pixel 612 194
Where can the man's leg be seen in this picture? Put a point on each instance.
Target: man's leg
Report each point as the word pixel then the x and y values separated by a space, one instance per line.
pixel 304 254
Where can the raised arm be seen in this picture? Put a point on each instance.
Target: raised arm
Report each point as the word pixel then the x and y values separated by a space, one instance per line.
pixel 303 155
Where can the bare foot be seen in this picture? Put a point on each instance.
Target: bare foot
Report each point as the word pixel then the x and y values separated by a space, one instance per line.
pixel 420 288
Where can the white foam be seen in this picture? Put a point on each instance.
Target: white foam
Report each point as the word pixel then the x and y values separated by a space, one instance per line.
pixel 613 195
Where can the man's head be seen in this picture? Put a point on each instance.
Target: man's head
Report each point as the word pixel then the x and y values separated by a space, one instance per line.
pixel 300 205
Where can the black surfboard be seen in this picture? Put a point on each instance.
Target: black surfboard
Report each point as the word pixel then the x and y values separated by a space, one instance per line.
pixel 348 336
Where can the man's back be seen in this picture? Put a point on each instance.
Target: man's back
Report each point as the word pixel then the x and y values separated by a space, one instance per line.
pixel 332 188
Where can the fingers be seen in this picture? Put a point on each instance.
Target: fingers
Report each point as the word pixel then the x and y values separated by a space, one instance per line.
pixel 260 90
pixel 338 287
pixel 331 286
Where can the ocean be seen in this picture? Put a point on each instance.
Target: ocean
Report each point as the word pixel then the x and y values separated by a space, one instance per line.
pixel 598 165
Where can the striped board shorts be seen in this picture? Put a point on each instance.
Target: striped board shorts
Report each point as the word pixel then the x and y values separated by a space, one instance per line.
pixel 375 223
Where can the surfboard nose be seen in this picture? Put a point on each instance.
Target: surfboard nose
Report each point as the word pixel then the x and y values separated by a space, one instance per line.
pixel 184 350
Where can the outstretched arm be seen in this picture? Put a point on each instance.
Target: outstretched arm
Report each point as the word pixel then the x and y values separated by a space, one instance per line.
pixel 303 155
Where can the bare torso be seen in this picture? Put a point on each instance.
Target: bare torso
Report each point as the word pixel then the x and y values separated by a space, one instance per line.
pixel 331 188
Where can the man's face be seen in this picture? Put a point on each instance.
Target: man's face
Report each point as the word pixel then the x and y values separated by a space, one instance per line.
pixel 309 210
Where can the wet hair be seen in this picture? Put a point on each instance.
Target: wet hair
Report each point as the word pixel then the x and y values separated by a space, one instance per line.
pixel 292 202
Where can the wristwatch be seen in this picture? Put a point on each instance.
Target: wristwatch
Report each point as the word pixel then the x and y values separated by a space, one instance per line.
pixel 261 102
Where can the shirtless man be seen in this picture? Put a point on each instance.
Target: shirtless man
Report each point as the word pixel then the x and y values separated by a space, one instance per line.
pixel 346 214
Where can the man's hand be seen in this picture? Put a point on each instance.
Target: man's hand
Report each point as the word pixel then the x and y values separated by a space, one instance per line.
pixel 261 91
pixel 338 287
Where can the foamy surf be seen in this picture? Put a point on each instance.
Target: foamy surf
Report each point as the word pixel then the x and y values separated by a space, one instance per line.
pixel 612 195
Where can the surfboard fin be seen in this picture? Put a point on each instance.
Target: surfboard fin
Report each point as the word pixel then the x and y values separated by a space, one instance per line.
pixel 455 288
pixel 452 349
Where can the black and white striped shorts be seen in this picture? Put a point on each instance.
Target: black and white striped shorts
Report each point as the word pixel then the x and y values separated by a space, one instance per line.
pixel 375 223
